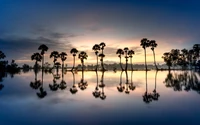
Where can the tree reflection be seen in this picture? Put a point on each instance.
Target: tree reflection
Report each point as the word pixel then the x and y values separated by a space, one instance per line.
pixel 155 94
pixel 42 93
pixel 184 80
pixel 102 85
pixel 131 85
pixel 147 98
pixel 73 89
pixel 63 84
pixel 96 92
pixel 2 75
pixel 127 84
pixel 37 83
pixel 121 87
pixel 82 84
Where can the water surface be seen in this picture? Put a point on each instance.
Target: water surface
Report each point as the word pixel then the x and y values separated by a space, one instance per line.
pixel 171 98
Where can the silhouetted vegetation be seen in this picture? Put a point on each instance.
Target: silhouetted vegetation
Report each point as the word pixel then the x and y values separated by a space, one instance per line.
pixel 73 51
pixel 186 59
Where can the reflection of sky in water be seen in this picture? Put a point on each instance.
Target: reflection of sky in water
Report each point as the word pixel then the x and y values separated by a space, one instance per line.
pixel 20 105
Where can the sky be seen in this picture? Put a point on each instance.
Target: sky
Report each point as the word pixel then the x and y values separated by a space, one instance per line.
pixel 65 24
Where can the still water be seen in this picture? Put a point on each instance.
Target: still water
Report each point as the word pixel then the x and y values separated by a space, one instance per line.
pixel 104 98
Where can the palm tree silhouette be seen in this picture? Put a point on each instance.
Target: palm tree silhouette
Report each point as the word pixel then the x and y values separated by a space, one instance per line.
pixel 102 56
pixel 131 53
pixel 82 55
pixel 2 55
pixel 145 44
pixel 37 57
pixel 73 90
pixel 63 57
pixel 121 88
pixel 131 86
pixel 97 93
pixel 54 55
pixel 96 48
pixel 102 46
pixel 153 45
pixel 155 95
pixel 126 57
pixel 73 51
pixel 147 97
pixel 43 49
pixel 120 52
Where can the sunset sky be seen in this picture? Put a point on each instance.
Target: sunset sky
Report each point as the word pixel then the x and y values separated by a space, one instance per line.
pixel 64 24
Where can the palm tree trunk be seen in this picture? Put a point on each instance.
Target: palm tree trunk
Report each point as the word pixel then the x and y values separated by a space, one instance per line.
pixel 131 64
pixel 155 79
pixel 62 68
pixel 102 62
pixel 73 63
pixel 83 72
pixel 121 77
pixel 121 63
pixel 126 77
pixel 42 61
pixel 146 81
pixel 145 59
pixel 97 79
pixel 155 60
pixel 97 63
pixel 73 78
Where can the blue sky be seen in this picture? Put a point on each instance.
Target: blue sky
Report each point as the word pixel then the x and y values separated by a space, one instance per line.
pixel 63 24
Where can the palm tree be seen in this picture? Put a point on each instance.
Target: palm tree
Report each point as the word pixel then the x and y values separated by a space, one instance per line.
pixel 82 55
pixel 153 45
pixel 145 44
pixel 96 48
pixel 102 56
pixel 73 51
pixel 37 57
pixel 102 45
pixel 126 57
pixel 43 49
pixel 2 55
pixel 54 55
pixel 131 53
pixel 120 52
pixel 63 57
